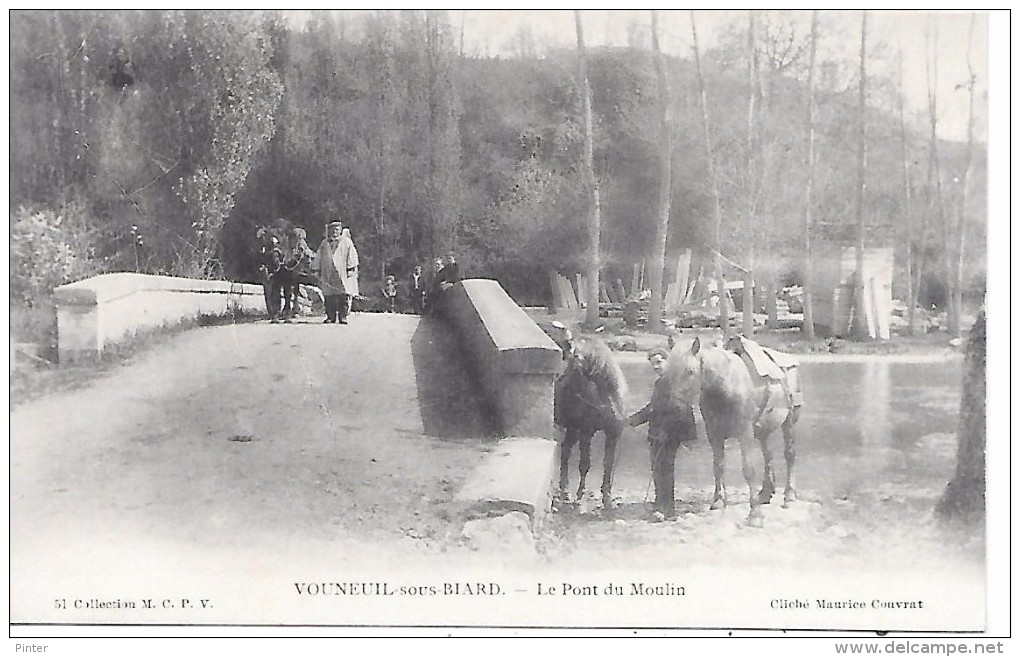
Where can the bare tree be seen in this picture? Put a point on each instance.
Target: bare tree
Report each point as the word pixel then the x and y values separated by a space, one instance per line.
pixel 907 214
pixel 961 223
pixel 753 180
pixel 724 314
pixel 591 185
pixel 860 325
pixel 936 206
pixel 665 168
pixel 809 315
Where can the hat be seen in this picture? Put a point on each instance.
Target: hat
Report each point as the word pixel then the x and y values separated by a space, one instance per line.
pixel 658 351
pixel 338 224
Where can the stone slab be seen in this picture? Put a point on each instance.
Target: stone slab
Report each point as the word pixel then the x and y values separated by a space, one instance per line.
pixel 515 476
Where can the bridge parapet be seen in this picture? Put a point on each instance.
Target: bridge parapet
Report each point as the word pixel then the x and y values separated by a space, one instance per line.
pixel 110 308
pixel 515 361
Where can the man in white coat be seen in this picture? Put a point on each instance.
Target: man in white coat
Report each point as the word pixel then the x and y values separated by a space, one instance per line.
pixel 338 272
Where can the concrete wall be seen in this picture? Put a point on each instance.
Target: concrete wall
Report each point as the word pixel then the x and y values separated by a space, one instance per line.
pixel 106 309
pixel 515 361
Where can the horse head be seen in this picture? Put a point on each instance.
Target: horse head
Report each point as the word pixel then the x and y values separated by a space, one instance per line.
pixel 684 373
pixel 590 363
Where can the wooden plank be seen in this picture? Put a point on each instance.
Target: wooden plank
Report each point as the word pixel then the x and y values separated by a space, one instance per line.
pixel 556 301
pixel 683 269
pixel 604 292
pixel 621 292
pixel 670 302
pixel 567 292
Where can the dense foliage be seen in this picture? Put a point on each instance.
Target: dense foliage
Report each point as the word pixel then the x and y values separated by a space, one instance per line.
pixel 172 135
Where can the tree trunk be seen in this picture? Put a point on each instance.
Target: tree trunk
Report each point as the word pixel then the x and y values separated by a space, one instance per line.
pixel 591 185
pixel 771 305
pixel 936 203
pixel 751 178
pixel 961 224
pixel 907 215
pixel 724 314
pixel 964 498
pixel 931 198
pixel 860 325
pixel 809 316
pixel 665 168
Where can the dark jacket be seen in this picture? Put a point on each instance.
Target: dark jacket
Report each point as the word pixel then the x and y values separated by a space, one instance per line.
pixel 666 421
pixel 450 273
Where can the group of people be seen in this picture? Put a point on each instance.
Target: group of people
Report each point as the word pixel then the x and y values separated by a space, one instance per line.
pixel 423 292
pixel 288 262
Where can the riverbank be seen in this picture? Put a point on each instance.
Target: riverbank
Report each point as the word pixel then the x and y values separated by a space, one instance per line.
pixel 622 339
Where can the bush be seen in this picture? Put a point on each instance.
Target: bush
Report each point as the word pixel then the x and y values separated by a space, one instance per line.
pixel 48 249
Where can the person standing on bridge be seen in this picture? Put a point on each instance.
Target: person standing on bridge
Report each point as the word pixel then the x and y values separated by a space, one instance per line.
pixel 338 270
pixel 417 288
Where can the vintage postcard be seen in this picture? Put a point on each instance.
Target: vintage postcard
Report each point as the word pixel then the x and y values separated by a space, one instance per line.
pixel 506 322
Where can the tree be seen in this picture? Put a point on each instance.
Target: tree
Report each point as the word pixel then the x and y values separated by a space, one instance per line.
pixel 964 497
pixel 956 284
pixel 590 183
pixel 933 188
pixel 149 121
pixel 724 315
pixel 907 215
pixel 753 177
pixel 809 316
pixel 860 325
pixel 663 203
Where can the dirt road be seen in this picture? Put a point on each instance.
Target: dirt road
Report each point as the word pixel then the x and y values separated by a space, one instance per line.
pixel 240 464
pixel 253 434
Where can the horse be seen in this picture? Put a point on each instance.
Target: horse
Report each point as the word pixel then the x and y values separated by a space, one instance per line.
pixel 589 398
pixel 736 405
pixel 297 269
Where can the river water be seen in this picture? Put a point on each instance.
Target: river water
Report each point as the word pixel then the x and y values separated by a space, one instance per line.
pixel 878 426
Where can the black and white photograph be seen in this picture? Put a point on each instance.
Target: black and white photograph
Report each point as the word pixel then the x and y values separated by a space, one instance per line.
pixel 465 322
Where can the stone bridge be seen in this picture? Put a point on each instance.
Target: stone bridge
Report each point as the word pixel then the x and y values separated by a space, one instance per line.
pixel 390 432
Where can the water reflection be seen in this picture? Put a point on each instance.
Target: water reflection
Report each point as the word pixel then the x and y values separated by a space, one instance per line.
pixel 873 392
pixel 864 426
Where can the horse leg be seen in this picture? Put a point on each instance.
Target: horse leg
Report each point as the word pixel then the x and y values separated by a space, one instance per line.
pixel 584 462
pixel 768 486
pixel 718 469
pixel 756 518
pixel 276 290
pixel 790 453
pixel 289 299
pixel 295 295
pixel 566 447
pixel 608 461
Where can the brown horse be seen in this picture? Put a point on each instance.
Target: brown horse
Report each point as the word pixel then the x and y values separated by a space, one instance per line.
pixel 589 398
pixel 736 405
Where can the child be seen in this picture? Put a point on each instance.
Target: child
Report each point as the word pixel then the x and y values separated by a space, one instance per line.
pixel 389 292
pixel 668 426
